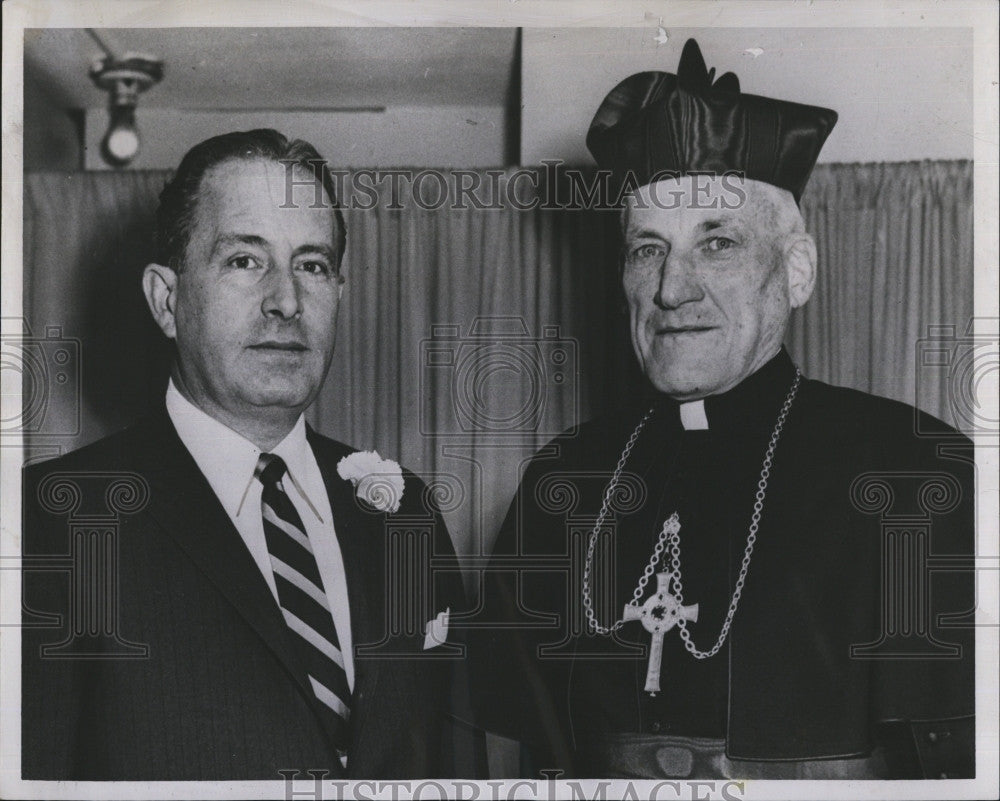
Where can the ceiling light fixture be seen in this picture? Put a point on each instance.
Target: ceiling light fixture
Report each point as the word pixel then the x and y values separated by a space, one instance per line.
pixel 124 79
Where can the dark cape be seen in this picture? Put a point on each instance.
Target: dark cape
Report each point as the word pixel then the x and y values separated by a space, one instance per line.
pixel 853 632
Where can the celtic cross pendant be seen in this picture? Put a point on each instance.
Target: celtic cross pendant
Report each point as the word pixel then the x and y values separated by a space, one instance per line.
pixel 661 611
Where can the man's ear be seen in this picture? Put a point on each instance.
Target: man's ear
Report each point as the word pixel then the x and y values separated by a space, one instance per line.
pixel 159 285
pixel 800 267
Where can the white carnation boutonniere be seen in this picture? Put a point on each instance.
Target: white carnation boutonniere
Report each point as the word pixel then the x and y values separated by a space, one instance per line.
pixel 378 482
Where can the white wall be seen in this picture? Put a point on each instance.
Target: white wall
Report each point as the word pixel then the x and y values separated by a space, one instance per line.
pixel 441 136
pixel 902 93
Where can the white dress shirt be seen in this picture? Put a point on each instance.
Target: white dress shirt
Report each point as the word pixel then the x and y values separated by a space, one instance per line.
pixel 228 460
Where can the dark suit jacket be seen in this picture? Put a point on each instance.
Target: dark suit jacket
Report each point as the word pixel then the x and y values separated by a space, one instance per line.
pixel 187 671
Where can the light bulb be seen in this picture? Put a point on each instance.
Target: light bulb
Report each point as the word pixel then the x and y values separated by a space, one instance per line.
pixel 122 144
pixel 124 80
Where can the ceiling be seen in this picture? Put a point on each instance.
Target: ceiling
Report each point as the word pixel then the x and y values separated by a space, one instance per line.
pixel 285 68
pixel 451 100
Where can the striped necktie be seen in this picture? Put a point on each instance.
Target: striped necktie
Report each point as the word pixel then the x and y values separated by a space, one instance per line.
pixel 302 598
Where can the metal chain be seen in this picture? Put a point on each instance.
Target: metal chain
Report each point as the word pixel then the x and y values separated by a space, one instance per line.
pixel 588 607
pixel 670 534
pixel 758 508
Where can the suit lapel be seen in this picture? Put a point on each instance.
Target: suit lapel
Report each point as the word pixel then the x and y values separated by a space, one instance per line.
pixel 360 541
pixel 185 507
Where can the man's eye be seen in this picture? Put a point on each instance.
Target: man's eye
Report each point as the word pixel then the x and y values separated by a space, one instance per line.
pixel 243 262
pixel 315 267
pixel 647 252
pixel 718 243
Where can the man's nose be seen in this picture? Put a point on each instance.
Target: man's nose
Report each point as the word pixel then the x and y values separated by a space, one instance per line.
pixel 281 295
pixel 679 282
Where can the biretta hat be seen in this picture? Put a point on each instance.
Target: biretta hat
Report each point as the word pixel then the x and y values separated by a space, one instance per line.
pixel 655 124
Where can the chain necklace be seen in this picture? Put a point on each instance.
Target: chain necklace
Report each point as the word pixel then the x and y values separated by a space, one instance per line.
pixel 670 538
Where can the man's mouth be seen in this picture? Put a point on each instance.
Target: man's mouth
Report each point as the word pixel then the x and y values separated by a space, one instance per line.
pixel 290 346
pixel 683 329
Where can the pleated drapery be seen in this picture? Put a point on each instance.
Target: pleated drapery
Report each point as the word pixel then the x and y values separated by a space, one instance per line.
pixel 895 252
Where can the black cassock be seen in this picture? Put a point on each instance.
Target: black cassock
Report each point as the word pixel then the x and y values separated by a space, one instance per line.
pixel 838 663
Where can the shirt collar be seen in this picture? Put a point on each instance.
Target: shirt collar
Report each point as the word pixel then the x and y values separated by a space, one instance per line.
pixel 226 458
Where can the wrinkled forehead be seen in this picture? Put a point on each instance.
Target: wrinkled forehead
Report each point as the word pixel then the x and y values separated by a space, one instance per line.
pixel 689 200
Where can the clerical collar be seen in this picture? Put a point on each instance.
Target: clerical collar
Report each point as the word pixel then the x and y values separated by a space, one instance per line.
pixel 693 416
pixel 752 403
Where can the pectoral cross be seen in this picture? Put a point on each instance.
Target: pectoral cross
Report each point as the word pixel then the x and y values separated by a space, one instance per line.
pixel 658 615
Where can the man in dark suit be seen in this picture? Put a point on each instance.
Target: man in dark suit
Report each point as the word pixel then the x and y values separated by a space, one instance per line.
pixel 239 562
pixel 751 593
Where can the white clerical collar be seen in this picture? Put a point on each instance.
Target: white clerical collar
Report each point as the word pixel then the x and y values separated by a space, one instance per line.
pixel 228 459
pixel 693 416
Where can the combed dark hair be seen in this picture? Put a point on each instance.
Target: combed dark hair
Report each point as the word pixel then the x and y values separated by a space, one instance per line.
pixel 179 197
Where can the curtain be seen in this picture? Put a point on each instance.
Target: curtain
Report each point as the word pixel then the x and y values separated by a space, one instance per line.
pixel 87 237
pixel 895 267
pixel 466 343
pixel 468 337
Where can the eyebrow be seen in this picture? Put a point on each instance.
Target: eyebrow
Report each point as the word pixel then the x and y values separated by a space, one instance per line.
pixel 239 239
pixel 645 233
pixel 711 225
pixel 704 227
pixel 258 241
pixel 323 249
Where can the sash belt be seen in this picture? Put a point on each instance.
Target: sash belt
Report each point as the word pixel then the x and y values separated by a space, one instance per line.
pixel 648 756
